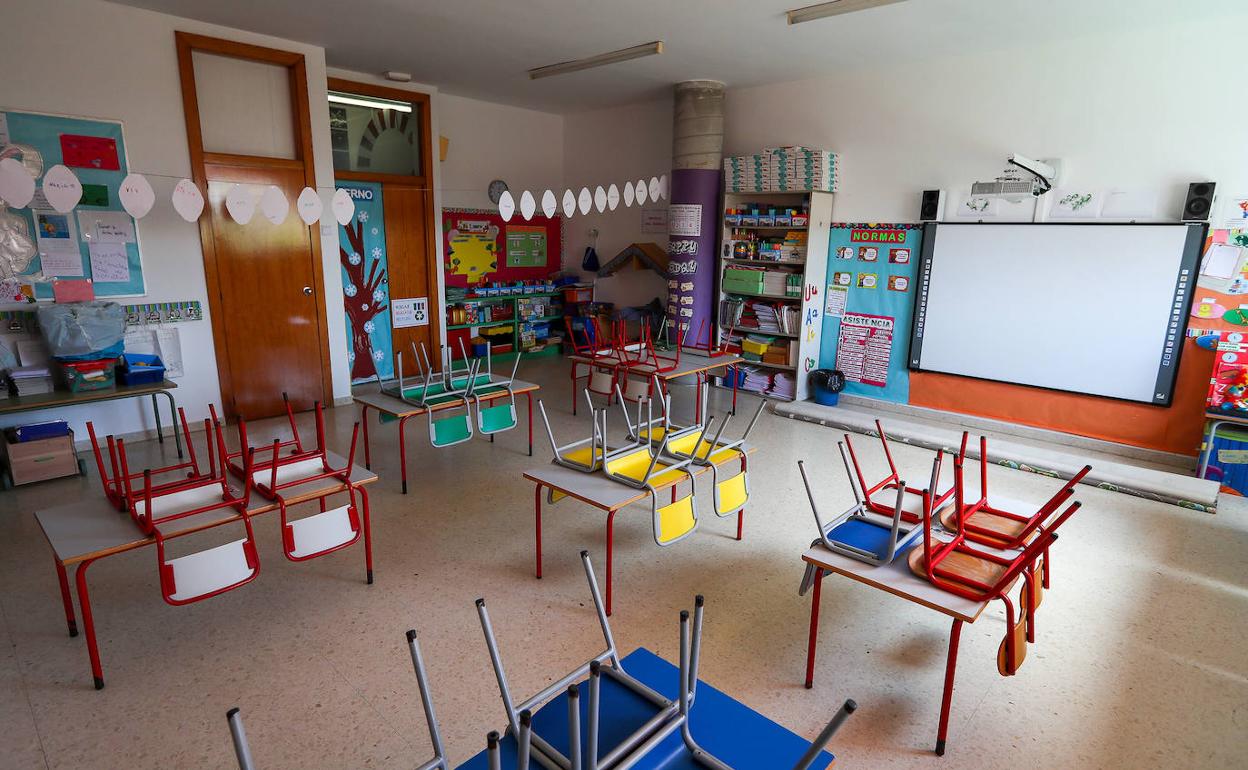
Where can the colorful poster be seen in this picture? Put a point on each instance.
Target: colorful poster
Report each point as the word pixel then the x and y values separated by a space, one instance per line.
pixel 526 246
pixel 692 234
pixel 863 348
pixel 837 297
pixel 365 284
pixel 884 292
pixel 98 152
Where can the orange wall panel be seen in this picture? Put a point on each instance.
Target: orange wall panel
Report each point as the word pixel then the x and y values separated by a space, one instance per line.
pixel 1176 428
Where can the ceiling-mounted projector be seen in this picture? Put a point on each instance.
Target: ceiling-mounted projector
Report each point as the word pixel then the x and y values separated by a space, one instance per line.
pixel 1014 185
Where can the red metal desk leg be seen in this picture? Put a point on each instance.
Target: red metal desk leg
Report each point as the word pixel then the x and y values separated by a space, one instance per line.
pixel 537 528
pixel 814 629
pixel 368 457
pixel 88 625
pixel 66 598
pixel 610 550
pixel 368 535
pixel 530 398
pixel 954 634
pixel 403 453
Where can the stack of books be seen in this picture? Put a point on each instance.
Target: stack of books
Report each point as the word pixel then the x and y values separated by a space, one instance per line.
pixel 783 385
pixel 782 169
pixel 30 380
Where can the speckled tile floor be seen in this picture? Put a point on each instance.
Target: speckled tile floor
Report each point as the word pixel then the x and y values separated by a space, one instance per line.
pixel 1140 661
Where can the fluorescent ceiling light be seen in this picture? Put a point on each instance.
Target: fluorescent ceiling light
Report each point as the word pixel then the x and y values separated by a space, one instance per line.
pixel 835 8
pixel 379 104
pixel 576 65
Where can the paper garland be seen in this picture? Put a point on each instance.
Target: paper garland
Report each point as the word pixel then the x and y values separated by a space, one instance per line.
pixel 62 189
pixel 136 195
pixel 506 206
pixel 309 206
pixel 342 206
pixel 528 206
pixel 187 200
pixel 17 186
pixel 549 204
pixel 569 203
pixel 240 202
pixel 273 205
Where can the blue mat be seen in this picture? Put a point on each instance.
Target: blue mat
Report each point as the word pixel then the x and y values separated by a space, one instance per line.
pixel 731 731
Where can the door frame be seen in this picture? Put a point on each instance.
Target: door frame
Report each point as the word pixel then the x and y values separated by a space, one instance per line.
pixel 424 181
pixel 187 44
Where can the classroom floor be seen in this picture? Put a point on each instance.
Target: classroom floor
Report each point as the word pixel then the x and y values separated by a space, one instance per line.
pixel 1140 658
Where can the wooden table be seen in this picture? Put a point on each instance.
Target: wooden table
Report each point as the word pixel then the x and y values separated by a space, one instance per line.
pixel 896 579
pixel 60 398
pixel 398 409
pixel 83 532
pixel 603 493
pixel 696 364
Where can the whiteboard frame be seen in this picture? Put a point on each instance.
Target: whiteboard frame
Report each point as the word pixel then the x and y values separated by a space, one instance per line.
pixel 1185 288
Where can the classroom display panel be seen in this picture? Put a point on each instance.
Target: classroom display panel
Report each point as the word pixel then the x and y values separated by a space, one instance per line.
pixel 1098 309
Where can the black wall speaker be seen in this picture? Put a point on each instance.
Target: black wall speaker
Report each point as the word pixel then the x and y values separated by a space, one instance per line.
pixel 1199 203
pixel 932 206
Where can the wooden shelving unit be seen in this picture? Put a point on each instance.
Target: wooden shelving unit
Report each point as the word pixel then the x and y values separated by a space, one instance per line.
pixel 515 321
pixel 813 268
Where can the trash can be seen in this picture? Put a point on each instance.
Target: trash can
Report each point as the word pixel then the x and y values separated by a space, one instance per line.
pixel 826 385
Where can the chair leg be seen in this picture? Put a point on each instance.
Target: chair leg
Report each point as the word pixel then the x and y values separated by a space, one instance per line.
pixel 368 534
pixel 537 528
pixel 610 550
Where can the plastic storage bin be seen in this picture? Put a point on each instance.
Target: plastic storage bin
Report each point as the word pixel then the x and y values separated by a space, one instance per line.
pixel 743 281
pixel 82 376
pixel 141 369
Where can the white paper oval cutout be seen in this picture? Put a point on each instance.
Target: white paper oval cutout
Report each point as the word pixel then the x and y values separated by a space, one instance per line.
pixel 613 197
pixel 641 191
pixel 136 195
pixel 569 203
pixel 628 194
pixel 17 186
pixel 342 206
pixel 187 200
pixel 549 204
pixel 663 188
pixel 654 188
pixel 600 199
pixel 240 201
pixel 506 206
pixel 585 200
pixel 309 206
pixel 528 206
pixel 273 205
pixel 62 189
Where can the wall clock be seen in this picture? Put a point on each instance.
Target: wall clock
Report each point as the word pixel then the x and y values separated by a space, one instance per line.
pixel 496 190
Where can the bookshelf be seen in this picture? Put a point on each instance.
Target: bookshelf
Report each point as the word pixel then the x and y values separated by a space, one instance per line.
pixel 519 313
pixel 790 300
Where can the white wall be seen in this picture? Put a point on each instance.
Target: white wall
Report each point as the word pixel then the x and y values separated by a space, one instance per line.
pixel 489 141
pixel 616 145
pixel 1142 109
pixel 133 77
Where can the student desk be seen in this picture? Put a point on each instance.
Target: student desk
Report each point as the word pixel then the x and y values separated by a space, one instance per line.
pixel 397 409
pixel 1215 420
pixel 897 579
pixel 696 364
pixel 61 398
pixel 601 492
pixel 82 533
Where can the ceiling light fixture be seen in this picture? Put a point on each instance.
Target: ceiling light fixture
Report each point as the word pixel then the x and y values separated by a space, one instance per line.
pixel 377 104
pixel 835 8
pixel 613 57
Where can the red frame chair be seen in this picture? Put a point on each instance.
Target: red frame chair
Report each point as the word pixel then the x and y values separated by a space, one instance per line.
pixel 213 571
pixel 115 487
pixel 1007 566
pixel 893 479
pixel 604 360
pixel 294 444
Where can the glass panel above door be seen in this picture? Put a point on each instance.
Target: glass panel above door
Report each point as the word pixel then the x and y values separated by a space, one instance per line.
pixel 374 135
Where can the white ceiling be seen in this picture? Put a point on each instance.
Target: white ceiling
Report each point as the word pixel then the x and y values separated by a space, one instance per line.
pixel 483 49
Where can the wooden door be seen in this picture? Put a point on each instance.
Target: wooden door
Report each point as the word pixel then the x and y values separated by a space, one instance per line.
pixel 413 265
pixel 268 300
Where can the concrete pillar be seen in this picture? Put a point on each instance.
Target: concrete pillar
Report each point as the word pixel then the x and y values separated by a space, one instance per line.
pixel 693 214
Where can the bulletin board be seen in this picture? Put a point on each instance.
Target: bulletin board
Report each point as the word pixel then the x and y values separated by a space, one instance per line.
pixel 478 247
pixel 868 306
pixel 95 151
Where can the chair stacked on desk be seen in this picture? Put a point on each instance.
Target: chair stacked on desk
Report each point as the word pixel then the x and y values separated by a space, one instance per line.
pixel 623 722
pixel 115 483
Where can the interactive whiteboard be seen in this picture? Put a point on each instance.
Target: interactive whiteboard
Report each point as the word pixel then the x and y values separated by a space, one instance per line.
pixel 1088 308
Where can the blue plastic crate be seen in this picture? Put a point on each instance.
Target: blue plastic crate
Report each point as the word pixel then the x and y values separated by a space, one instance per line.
pixel 1228 461
pixel 141 369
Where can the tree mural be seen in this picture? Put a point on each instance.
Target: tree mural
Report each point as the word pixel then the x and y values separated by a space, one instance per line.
pixel 363 296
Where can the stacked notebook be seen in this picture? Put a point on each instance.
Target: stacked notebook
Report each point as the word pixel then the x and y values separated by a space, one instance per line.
pixel 30 380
